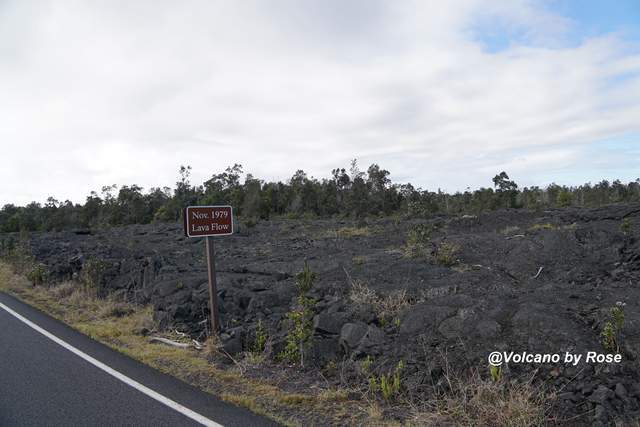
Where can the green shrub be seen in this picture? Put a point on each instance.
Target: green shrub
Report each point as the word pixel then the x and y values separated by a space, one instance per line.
pixel 92 273
pixel 300 320
pixel 612 330
pixel 418 239
pixel 37 274
pixel 625 225
pixel 447 253
pixel 18 255
pixel 300 331
pixel 260 339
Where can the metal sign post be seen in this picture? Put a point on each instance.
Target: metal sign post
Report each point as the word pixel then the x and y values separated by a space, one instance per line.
pixel 209 221
pixel 213 287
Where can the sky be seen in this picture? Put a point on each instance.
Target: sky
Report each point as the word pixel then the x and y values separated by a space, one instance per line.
pixel 442 94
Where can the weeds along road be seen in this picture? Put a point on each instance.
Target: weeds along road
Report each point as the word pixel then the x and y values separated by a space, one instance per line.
pixel 52 375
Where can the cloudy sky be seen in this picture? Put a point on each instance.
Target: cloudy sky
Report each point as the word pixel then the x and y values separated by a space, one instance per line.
pixel 444 94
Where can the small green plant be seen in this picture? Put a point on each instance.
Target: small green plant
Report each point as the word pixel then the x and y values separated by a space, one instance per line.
pixel 420 233
pixel 625 225
pixel 612 330
pixel 387 384
pixel 447 253
pixel 495 372
pixel 37 274
pixel 260 340
pixel 418 238
pixel 92 273
pixel 305 279
pixel 373 384
pixel 300 319
pixel 366 365
pixel 299 335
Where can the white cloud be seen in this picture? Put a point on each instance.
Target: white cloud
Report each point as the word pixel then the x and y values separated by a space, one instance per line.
pixel 95 93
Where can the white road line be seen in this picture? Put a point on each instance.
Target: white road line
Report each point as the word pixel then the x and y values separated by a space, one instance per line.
pixel 143 389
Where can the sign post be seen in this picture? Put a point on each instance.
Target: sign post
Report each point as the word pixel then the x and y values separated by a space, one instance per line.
pixel 207 222
pixel 213 286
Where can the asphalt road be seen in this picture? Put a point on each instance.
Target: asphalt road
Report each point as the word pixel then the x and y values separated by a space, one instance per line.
pixel 44 383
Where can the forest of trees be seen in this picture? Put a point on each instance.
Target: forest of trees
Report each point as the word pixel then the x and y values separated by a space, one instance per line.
pixel 348 193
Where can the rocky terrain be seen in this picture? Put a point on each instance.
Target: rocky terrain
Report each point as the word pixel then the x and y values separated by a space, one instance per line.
pixel 400 289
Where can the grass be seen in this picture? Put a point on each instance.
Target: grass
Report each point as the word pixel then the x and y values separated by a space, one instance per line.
pixel 388 308
pixel 509 230
pixel 447 254
pixel 361 295
pixel 358 260
pixel 544 226
pixel 118 324
pixel 418 241
pixel 347 232
pixel 479 401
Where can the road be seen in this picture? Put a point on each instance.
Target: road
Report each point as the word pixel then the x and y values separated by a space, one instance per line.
pixel 65 378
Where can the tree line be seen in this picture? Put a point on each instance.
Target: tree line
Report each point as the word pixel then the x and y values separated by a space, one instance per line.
pixel 348 193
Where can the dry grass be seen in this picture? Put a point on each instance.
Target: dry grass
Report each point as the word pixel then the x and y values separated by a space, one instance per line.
pixel 361 295
pixel 115 309
pixel 416 250
pixel 358 260
pixel 63 290
pixel 337 395
pixel 387 307
pixel 512 229
pixel 375 414
pixel 346 233
pixel 545 226
pixel 477 401
pixel 392 305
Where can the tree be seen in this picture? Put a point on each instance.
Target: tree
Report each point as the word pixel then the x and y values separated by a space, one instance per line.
pixel 564 198
pixel 506 189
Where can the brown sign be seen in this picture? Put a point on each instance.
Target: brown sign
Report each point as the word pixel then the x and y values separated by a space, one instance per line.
pixel 201 221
